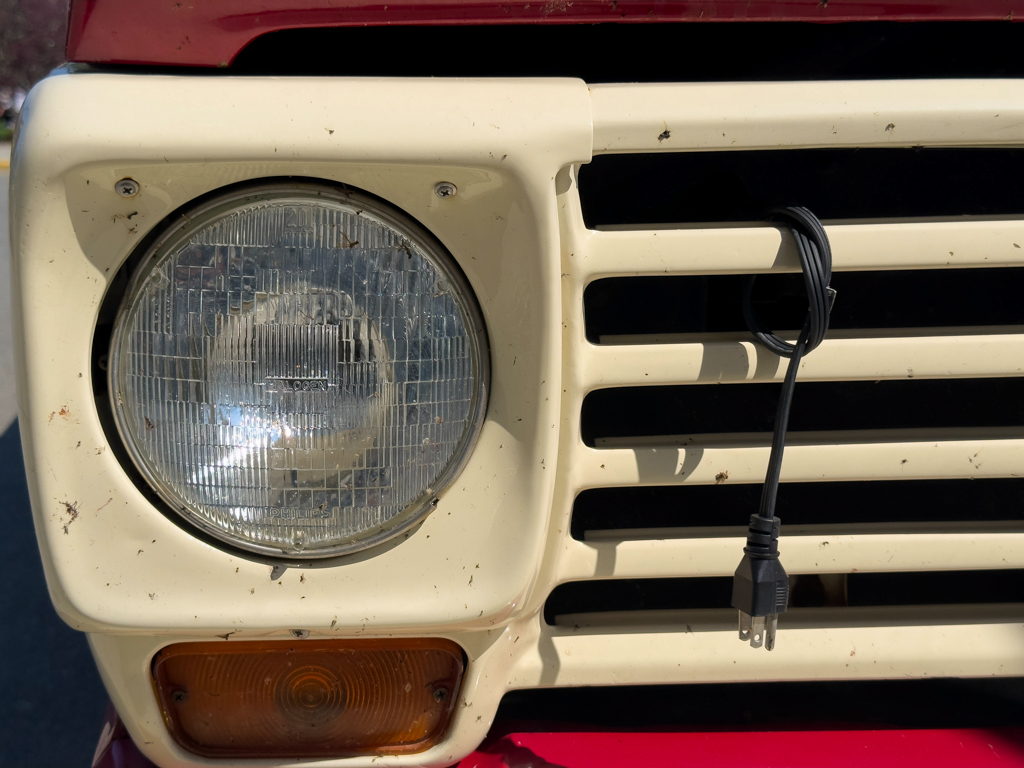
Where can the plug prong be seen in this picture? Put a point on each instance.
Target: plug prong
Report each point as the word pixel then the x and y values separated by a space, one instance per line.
pixel 744 626
pixel 757 632
pixel 770 625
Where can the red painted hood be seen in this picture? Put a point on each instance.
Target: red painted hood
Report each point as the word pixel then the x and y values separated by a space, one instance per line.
pixel 210 34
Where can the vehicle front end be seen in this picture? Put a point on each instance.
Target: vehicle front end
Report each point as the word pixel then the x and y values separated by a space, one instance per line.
pixel 355 405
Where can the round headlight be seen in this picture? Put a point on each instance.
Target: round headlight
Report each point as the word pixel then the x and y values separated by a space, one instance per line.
pixel 298 370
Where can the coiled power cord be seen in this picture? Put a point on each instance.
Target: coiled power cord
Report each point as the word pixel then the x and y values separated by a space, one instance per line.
pixel 760 586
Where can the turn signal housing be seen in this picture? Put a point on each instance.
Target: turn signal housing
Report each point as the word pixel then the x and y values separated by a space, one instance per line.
pixel 308 698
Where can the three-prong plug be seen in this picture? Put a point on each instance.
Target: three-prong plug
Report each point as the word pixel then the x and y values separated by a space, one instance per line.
pixel 760 586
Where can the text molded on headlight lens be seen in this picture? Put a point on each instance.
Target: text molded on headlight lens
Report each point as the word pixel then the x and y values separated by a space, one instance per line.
pixel 298 370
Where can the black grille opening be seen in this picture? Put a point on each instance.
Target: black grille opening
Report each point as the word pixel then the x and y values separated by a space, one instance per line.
pixel 867 590
pixel 826 406
pixel 866 300
pixel 637 595
pixel 879 502
pixel 852 704
pixel 689 187
pixel 679 52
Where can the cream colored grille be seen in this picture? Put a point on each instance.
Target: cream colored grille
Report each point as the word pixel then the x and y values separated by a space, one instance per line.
pixel 647 647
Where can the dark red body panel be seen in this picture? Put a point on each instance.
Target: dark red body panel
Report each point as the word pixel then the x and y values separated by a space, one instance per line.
pixel 211 34
pixel 963 748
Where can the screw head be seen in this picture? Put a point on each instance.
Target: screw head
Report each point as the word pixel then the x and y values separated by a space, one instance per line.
pixel 299 634
pixel 445 189
pixel 127 187
pixel 179 696
pixel 440 694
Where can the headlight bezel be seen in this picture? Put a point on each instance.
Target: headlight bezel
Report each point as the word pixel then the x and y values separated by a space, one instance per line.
pixel 191 219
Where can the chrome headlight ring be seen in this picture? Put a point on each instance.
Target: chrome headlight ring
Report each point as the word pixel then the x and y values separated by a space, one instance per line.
pixel 298 370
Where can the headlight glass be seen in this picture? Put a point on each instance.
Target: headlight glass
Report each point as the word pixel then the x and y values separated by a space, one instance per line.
pixel 298 371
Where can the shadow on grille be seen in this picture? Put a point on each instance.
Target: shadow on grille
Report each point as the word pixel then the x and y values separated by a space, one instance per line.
pixel 703 304
pixel 625 53
pixel 869 704
pixel 599 602
pixel 834 183
pixel 961 505
pixel 903 404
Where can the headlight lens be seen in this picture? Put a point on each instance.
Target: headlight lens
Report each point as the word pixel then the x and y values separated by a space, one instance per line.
pixel 298 371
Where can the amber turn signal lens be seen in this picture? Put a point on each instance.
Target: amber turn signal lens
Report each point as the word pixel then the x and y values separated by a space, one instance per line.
pixel 308 698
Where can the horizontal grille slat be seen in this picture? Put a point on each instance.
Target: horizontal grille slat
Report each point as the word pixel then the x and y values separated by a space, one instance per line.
pixel 656 654
pixel 723 250
pixel 731 116
pixel 924 454
pixel 740 359
pixel 828 553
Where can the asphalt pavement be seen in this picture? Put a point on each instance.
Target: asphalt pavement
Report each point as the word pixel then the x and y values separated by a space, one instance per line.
pixel 52 706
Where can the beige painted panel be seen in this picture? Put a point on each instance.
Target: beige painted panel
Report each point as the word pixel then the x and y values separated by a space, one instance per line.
pixel 741 249
pixel 121 564
pixel 809 457
pixel 666 558
pixel 893 113
pixel 837 359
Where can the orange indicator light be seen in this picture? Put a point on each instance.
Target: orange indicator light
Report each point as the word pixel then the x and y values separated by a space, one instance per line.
pixel 308 698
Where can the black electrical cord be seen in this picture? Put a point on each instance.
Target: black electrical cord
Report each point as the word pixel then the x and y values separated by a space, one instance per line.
pixel 761 585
